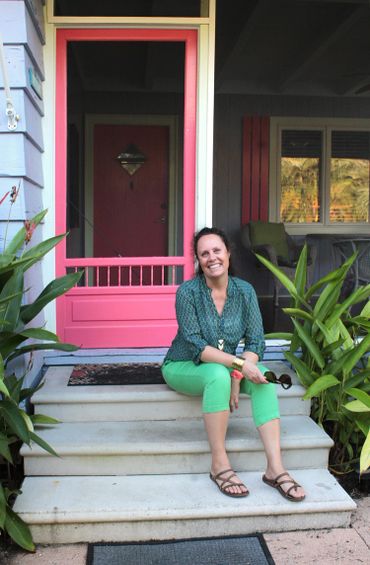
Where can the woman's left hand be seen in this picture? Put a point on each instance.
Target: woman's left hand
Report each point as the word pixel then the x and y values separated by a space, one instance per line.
pixel 234 395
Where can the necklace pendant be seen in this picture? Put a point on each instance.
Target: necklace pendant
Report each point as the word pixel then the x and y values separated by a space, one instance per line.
pixel 220 344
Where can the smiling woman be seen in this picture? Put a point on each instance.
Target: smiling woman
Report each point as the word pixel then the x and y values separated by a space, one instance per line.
pixel 214 312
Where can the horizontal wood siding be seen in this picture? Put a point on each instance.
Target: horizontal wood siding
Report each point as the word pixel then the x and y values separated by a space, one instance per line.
pixel 21 149
pixel 17 27
pixel 20 66
pixel 30 122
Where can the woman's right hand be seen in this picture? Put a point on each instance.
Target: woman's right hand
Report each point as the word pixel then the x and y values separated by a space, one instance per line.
pixel 252 373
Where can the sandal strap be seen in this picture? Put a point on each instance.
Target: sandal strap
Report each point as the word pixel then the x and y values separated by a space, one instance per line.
pixel 288 480
pixel 226 483
pixel 219 475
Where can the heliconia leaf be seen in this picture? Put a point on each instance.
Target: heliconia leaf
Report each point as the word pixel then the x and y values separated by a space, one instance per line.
pixel 34 254
pixel 321 384
pixel 310 344
pixel 360 395
pixel 10 412
pixel 18 530
pixel 365 455
pixel 14 285
pixel 42 347
pixel 42 443
pixel 39 333
pixel 18 240
pixel 303 371
pixel 54 289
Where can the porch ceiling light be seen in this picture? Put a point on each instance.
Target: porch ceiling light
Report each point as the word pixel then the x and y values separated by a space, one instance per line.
pixel 131 159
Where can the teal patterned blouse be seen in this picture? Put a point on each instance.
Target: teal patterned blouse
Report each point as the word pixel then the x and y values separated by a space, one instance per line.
pixel 199 323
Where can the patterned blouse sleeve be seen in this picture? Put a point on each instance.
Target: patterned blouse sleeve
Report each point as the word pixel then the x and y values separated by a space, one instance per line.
pixel 254 335
pixel 188 323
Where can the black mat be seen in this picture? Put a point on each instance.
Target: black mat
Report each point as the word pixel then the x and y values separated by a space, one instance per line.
pixel 236 550
pixel 116 374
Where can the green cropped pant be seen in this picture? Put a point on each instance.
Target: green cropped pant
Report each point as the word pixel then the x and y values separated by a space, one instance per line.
pixel 213 382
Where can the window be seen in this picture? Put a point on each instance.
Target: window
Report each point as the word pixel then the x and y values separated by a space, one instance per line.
pixel 320 174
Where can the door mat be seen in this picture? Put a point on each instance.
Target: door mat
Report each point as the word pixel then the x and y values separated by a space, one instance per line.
pixel 116 374
pixel 236 550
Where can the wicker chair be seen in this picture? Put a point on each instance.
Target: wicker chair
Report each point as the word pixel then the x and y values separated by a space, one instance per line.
pixel 360 269
pixel 270 240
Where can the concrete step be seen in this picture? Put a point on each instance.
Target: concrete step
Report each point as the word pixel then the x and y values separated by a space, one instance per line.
pixel 160 447
pixel 137 508
pixel 141 402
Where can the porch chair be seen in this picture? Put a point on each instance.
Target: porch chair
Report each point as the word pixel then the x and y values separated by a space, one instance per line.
pixel 270 240
pixel 360 269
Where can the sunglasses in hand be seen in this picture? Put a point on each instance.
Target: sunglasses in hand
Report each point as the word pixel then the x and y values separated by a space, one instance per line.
pixel 284 380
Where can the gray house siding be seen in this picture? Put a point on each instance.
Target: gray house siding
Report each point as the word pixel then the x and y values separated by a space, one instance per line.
pixel 21 28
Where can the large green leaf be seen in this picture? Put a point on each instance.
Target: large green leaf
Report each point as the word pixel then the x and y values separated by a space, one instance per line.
pixel 336 275
pixel 13 286
pixel 4 448
pixel 9 343
pixel 356 406
pixel 321 384
pixel 279 335
pixel 18 240
pixel 355 355
pixel 303 371
pixel 42 347
pixel 42 443
pixel 358 379
pixel 357 296
pixel 2 507
pixel 310 344
pixel 365 312
pixel 11 414
pixel 43 420
pixel 327 300
pixel 18 530
pixel 39 333
pixel 300 277
pixel 360 395
pixel 298 313
pixel 283 278
pixel 6 259
pixel 365 455
pixel 54 289
pixel 34 254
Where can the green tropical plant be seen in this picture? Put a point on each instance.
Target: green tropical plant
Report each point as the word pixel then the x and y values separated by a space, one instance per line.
pixel 329 350
pixel 18 338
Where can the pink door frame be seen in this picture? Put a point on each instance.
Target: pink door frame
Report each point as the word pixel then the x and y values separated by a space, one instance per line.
pixel 140 315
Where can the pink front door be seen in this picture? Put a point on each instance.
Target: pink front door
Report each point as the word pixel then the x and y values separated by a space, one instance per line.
pixel 127 294
pixel 126 206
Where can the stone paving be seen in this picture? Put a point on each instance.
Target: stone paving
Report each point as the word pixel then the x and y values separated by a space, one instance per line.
pixel 338 546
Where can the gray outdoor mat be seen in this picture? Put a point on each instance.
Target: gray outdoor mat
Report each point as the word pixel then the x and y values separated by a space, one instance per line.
pixel 238 550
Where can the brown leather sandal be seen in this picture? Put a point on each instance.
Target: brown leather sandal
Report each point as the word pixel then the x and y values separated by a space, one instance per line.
pixel 276 483
pixel 227 483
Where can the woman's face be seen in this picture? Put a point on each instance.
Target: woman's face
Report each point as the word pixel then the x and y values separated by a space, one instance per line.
pixel 213 257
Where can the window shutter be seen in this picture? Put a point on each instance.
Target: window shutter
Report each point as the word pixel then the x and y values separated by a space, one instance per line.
pixel 255 176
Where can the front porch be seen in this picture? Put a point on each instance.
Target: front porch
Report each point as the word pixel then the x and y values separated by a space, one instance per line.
pixel 134 463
